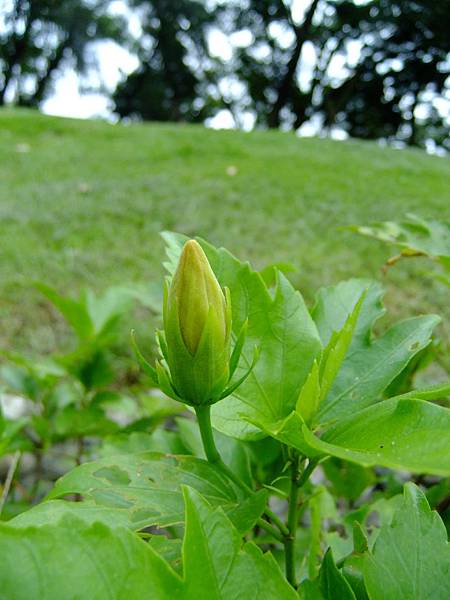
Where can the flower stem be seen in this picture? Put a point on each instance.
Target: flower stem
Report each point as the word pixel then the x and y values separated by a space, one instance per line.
pixel 289 544
pixel 212 454
pixel 209 445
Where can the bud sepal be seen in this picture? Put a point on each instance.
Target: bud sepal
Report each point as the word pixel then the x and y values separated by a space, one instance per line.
pixel 197 363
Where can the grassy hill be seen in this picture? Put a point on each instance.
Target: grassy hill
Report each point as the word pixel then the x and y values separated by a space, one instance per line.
pixel 82 203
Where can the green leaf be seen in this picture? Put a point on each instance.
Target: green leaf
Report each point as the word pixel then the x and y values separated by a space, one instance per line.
pixel 402 434
pixel 87 562
pixel 309 399
pixel 336 303
pixel 368 370
pixel 353 572
pixel 279 325
pixel 218 567
pixel 57 559
pixel 348 480
pixel 336 350
pixel 148 484
pixel 411 557
pixel 52 511
pixel 431 238
pixel 104 311
pixel 72 422
pixel 145 366
pixel 332 583
pixel 74 312
pixel 440 391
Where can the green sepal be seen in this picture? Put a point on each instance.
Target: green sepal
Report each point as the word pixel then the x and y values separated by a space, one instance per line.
pixel 145 366
pixel 230 390
pixel 165 383
pixel 237 350
pixel 198 379
pixel 162 344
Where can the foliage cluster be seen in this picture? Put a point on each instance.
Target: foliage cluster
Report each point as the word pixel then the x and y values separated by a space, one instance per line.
pixel 302 493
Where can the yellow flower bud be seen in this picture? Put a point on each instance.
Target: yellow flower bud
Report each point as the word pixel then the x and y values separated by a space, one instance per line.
pixel 197 327
pixel 196 291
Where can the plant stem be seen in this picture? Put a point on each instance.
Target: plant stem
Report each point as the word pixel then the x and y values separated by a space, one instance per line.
pixel 289 544
pixel 212 454
pixel 298 480
pixel 270 530
pixel 209 445
pixel 9 479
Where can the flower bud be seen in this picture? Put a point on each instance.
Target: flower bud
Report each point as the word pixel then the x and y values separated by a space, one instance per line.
pixel 197 326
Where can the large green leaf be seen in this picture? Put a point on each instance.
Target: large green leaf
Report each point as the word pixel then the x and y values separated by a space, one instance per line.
pixel 368 370
pixel 70 559
pixel 216 567
pixel 411 557
pixel 400 433
pixel 52 511
pixel 146 486
pixel 88 562
pixel 279 324
pixel 335 303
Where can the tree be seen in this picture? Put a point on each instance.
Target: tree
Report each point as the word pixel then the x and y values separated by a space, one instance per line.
pixel 393 58
pixel 171 81
pixel 38 36
pixel 403 68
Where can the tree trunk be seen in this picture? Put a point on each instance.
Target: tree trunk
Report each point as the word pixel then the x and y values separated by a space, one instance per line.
pixel 52 65
pixel 18 45
pixel 301 35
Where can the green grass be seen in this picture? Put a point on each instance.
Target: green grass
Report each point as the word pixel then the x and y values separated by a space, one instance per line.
pixel 84 203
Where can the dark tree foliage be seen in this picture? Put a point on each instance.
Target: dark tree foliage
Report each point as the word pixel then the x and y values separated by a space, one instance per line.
pixel 269 66
pixel 39 35
pixel 171 82
pixel 402 64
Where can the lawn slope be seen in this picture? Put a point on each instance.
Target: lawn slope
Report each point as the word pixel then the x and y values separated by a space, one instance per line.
pixel 82 203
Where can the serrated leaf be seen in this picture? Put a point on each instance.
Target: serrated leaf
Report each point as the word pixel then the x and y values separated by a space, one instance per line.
pixel 332 583
pixel 148 486
pixel 69 558
pixel 335 304
pixel 218 567
pixel 431 238
pixel 88 562
pixel 411 557
pixel 309 398
pixel 404 434
pixel 367 371
pixel 52 511
pixel 337 348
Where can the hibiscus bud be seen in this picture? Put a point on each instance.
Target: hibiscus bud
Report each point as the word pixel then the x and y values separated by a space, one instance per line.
pixel 197 326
